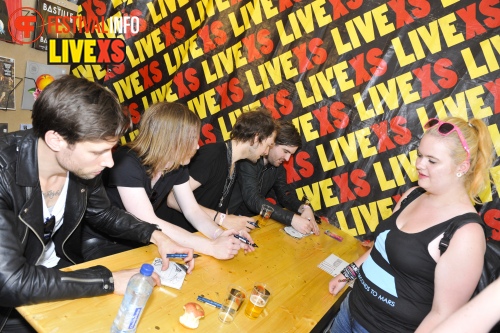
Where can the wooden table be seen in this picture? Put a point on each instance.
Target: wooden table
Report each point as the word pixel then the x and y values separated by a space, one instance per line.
pixel 289 266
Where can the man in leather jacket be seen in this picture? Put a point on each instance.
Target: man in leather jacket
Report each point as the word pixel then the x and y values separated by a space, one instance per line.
pixel 49 183
pixel 256 180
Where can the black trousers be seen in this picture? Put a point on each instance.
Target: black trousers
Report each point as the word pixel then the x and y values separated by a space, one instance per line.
pixel 16 323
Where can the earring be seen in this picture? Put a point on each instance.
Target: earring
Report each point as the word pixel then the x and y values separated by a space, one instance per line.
pixel 459 174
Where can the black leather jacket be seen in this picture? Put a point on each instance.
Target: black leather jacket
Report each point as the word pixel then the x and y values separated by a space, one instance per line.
pixel 254 183
pixel 22 281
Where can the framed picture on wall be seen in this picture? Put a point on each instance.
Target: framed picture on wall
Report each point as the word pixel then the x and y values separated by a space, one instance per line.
pixel 47 8
pixel 7 84
pixel 9 10
pixel 37 77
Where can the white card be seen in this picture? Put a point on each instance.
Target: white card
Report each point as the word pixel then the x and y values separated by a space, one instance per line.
pixel 173 276
pixel 333 265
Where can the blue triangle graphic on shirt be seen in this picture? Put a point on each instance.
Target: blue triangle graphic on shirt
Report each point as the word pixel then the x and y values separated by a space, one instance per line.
pixel 377 274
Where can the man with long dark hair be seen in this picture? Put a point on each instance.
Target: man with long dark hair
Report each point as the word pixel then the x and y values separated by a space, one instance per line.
pixel 256 180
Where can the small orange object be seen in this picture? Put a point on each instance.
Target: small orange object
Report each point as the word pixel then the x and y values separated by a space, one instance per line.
pixel 43 81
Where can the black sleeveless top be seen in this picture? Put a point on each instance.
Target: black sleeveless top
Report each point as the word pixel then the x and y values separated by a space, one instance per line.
pixel 395 285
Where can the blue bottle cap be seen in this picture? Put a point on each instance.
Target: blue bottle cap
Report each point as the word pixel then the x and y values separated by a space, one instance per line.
pixel 147 269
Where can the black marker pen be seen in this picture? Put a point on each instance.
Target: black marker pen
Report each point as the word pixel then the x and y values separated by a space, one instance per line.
pixel 244 240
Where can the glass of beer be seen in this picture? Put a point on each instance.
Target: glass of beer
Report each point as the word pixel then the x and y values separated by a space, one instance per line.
pixel 258 299
pixel 265 214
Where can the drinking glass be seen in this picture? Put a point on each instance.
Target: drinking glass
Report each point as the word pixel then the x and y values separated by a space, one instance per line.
pixel 258 299
pixel 232 302
pixel 265 214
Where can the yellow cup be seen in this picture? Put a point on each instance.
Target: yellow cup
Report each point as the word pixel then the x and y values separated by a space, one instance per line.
pixel 258 300
pixel 265 214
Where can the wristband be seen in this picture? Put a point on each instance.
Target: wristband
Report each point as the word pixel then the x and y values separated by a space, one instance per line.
pixel 216 213
pixel 347 273
pixel 350 271
pixel 222 217
pixel 354 267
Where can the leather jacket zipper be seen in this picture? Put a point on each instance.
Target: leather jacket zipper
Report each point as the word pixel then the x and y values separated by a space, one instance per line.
pixel 41 241
pixel 72 279
pixel 261 178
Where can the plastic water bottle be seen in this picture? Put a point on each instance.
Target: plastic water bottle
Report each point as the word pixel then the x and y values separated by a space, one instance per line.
pixel 139 288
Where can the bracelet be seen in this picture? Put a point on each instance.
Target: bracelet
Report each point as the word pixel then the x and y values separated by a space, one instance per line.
pixel 216 231
pixel 222 217
pixel 347 273
pixel 216 213
pixel 354 267
pixel 350 271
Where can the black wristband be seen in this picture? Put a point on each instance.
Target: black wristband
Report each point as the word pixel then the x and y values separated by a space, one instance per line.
pixel 350 271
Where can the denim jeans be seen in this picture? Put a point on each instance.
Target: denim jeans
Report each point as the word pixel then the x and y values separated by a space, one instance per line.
pixel 344 322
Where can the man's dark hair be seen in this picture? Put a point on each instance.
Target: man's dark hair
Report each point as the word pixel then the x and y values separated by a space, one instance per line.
pixel 79 110
pixel 258 122
pixel 288 135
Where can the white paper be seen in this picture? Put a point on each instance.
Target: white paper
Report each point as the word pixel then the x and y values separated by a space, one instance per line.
pixel 172 277
pixel 333 265
pixel 294 233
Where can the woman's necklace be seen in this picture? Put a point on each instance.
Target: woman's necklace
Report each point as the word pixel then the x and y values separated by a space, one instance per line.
pixel 230 177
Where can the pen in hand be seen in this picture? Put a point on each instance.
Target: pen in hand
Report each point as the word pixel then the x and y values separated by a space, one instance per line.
pixel 255 224
pixel 181 255
pixel 244 240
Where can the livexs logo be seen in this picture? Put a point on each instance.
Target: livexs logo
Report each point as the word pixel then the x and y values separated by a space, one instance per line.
pixel 69 50
pixel 86 51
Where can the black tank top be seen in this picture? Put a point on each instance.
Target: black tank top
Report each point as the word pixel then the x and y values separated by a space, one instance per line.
pixel 395 285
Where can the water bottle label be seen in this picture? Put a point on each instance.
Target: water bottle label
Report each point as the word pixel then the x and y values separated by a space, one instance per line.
pixel 134 317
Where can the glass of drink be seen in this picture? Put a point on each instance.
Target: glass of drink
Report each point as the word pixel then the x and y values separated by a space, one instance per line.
pixel 258 299
pixel 232 302
pixel 265 214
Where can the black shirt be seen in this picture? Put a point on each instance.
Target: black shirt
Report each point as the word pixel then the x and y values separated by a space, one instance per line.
pixel 129 171
pixel 209 167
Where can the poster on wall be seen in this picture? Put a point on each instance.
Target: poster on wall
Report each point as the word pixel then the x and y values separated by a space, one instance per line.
pixel 50 28
pixel 38 76
pixel 7 93
pixel 359 79
pixel 9 10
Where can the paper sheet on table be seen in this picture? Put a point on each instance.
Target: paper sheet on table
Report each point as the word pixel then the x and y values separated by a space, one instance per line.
pixel 333 265
pixel 294 233
pixel 172 277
